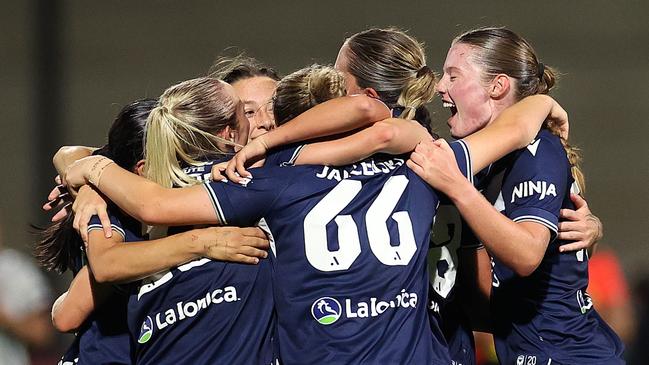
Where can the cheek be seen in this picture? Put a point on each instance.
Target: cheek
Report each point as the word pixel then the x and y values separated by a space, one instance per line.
pixel 474 101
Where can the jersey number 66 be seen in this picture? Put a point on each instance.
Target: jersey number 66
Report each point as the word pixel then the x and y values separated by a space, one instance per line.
pixel 328 209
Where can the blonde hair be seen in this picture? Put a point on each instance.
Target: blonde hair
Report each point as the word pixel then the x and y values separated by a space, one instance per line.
pixel 502 51
pixel 393 64
pixel 304 89
pixel 182 129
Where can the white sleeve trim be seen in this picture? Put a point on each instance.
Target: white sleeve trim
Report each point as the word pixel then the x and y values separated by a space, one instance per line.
pixel 467 157
pixel 537 219
pixel 95 227
pixel 215 203
pixel 294 157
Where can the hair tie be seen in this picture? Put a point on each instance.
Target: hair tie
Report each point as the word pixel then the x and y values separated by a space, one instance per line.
pixel 423 71
pixel 541 70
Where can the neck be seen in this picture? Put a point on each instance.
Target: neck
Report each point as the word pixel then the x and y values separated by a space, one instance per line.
pixel 498 105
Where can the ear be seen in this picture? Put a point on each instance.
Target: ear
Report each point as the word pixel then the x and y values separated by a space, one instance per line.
pixel 227 133
pixel 371 92
pixel 500 86
pixel 139 168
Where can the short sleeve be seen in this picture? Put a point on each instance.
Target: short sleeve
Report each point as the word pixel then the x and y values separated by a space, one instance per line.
pixel 244 205
pixel 115 224
pixel 284 155
pixel 463 158
pixel 535 187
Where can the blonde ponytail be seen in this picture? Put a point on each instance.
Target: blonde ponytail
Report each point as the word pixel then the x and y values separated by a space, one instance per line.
pixel 574 158
pixel 304 89
pixel 182 130
pixel 392 63
pixel 419 92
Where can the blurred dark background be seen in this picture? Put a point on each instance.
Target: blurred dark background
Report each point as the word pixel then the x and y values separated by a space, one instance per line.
pixel 67 67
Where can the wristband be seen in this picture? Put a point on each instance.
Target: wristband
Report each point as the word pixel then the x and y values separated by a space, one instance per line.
pixel 96 170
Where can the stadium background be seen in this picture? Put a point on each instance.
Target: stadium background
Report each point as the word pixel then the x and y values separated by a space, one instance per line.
pixel 67 67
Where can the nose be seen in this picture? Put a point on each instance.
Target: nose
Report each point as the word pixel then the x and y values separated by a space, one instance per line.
pixel 264 119
pixel 440 88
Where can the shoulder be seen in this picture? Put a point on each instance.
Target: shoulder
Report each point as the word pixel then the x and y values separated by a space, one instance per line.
pixel 545 145
pixel 203 171
pixel 544 152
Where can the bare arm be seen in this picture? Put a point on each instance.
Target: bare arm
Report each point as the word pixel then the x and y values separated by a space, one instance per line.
pixel 66 155
pixel 392 136
pixel 332 117
pixel 113 261
pixel 513 129
pixel 435 163
pixel 140 198
pixel 74 306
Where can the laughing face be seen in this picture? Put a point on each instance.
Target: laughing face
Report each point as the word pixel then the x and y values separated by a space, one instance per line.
pixel 463 93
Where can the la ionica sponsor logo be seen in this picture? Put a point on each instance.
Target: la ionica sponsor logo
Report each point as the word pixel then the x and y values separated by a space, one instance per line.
pixel 530 188
pixel 327 310
pixel 184 310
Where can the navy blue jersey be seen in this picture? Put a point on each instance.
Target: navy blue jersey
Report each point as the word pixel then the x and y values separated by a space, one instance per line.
pixel 444 308
pixel 548 316
pixel 204 312
pixel 350 278
pixel 104 337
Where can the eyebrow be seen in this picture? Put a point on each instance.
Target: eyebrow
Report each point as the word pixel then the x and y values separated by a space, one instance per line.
pixel 249 102
pixel 451 68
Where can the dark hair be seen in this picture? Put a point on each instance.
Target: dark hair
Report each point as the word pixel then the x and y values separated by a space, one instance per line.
pixel 233 69
pixel 60 245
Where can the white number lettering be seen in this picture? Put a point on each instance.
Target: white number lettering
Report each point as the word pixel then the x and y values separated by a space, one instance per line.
pixel 315 229
pixel 377 228
pixel 328 209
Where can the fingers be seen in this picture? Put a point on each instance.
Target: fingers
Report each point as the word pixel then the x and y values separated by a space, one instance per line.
pixel 230 171
pixel 567 226
pixel 579 202
pixel 105 223
pixel 417 158
pixel 253 252
pixel 56 192
pixel 241 169
pixel 441 142
pixel 245 259
pixel 416 168
pixel 57 179
pixel 573 246
pixel 253 232
pixel 217 173
pixel 570 214
pixel 62 213
pixel 83 227
pixel 256 242
pixel 570 235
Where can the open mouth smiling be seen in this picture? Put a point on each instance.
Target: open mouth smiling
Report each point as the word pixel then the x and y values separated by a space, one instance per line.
pixel 450 105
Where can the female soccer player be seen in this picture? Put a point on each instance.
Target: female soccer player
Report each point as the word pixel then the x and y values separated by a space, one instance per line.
pixel 255 85
pixel 373 300
pixel 97 312
pixel 539 308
